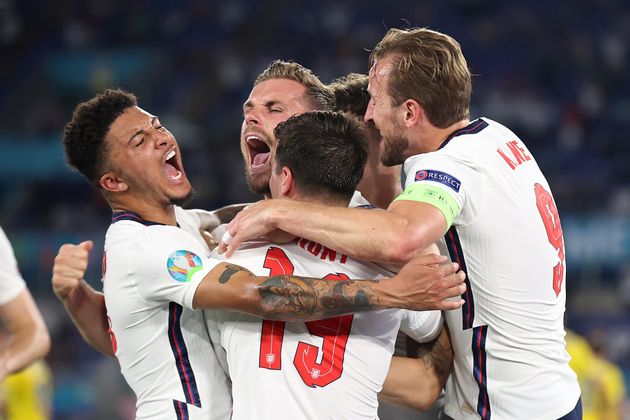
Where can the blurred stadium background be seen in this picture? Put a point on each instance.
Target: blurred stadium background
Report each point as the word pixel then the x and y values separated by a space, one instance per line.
pixel 555 72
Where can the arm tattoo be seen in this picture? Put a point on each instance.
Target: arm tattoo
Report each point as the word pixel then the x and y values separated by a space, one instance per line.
pixel 229 271
pixel 295 298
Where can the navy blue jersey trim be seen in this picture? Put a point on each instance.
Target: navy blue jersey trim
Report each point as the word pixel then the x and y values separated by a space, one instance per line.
pixel 479 370
pixel 117 216
pixel 457 255
pixel 472 128
pixel 181 410
pixel 180 352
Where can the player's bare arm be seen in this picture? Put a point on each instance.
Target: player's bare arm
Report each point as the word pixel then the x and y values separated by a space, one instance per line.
pixel 282 297
pixel 28 338
pixel 85 305
pixel 417 382
pixel 391 236
pixel 424 283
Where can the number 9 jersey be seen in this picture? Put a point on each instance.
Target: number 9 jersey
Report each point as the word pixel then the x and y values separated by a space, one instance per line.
pixel 504 232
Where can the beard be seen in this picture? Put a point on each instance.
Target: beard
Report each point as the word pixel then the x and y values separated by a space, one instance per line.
pixel 182 201
pixel 258 184
pixel 394 148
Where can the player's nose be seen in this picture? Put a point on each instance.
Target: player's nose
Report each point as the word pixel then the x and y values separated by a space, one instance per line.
pixel 369 113
pixel 252 117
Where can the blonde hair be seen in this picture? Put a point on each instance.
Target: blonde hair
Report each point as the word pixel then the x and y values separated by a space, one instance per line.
pixel 319 96
pixel 429 67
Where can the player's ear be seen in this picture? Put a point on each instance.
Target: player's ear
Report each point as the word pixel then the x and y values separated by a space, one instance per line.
pixel 287 185
pixel 413 113
pixel 110 182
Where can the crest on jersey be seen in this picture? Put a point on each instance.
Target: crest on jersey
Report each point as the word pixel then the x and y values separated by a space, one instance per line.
pixel 438 176
pixel 182 264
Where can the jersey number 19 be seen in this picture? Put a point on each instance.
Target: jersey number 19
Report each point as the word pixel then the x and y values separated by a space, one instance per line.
pixel 334 332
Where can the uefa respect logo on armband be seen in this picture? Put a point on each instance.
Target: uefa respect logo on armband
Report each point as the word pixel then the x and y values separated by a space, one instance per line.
pixel 182 264
pixel 438 176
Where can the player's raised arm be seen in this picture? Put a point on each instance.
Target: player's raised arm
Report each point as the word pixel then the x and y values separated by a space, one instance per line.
pixel 417 382
pixel 85 305
pixel 424 283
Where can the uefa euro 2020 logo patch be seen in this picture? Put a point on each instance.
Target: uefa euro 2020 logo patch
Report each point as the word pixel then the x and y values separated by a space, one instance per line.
pixel 181 265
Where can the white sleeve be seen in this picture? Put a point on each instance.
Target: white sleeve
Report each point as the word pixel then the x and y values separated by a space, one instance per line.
pixel 359 201
pixel 11 282
pixel 450 176
pixel 421 326
pixel 167 264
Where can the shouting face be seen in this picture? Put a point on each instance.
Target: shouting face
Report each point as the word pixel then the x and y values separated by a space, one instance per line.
pixel 270 103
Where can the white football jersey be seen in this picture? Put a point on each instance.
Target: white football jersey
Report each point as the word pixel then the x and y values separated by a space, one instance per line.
pixel 11 282
pixel 328 369
pixel 151 272
pixel 510 357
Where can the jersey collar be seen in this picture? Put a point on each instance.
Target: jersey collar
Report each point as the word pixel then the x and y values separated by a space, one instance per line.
pixel 118 216
pixel 472 128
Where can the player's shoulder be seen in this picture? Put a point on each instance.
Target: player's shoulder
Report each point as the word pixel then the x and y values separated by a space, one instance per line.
pixel 468 146
pixel 5 246
pixel 145 243
pixel 475 138
pixel 139 233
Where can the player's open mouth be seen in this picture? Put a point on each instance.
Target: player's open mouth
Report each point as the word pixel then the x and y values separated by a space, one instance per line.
pixel 171 166
pixel 259 152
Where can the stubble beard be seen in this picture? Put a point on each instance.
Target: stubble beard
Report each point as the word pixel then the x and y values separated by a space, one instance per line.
pixel 182 201
pixel 258 184
pixel 394 149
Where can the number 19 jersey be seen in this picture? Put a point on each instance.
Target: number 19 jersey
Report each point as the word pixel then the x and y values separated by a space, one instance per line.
pixel 328 369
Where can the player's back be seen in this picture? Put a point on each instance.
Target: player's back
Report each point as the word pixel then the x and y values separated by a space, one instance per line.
pixel 161 344
pixel 509 335
pixel 328 369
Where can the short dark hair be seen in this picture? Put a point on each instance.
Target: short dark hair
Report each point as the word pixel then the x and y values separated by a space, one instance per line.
pixel 351 94
pixel 317 93
pixel 326 152
pixel 84 135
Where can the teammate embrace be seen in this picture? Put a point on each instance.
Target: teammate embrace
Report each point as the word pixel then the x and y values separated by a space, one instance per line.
pixel 466 185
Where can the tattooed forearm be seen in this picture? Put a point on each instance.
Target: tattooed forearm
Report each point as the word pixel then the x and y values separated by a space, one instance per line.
pixel 229 271
pixel 296 298
pixel 287 294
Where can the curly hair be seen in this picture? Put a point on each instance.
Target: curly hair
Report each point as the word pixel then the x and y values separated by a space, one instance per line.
pixel 317 92
pixel 84 135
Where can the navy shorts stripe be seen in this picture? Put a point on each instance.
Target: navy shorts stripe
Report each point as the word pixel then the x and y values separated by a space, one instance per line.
pixel 479 370
pixel 178 346
pixel 457 255
pixel 181 410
